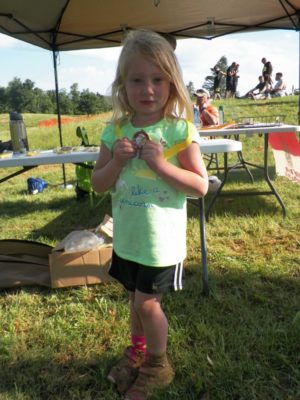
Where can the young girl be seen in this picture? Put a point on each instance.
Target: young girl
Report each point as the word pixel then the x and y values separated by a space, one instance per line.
pixel 149 160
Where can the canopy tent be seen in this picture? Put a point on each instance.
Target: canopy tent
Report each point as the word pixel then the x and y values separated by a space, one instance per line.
pixel 61 25
pixel 73 24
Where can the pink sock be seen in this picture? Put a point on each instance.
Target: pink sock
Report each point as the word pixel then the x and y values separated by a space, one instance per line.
pixel 138 345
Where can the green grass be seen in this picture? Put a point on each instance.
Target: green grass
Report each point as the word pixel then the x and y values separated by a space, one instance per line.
pixel 240 343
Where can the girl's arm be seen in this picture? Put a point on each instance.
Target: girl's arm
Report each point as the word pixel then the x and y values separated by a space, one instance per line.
pixel 190 177
pixel 109 164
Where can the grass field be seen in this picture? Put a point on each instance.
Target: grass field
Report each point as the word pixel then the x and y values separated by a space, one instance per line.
pixel 240 343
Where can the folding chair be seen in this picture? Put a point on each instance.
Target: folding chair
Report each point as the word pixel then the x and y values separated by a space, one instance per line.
pixel 83 170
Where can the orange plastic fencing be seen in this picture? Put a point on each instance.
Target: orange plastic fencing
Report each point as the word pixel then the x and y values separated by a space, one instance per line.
pixel 48 123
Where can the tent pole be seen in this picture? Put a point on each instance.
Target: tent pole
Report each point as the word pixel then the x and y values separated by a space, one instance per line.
pixel 299 79
pixel 55 53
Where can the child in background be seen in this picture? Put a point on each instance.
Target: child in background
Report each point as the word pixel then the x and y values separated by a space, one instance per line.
pixel 150 159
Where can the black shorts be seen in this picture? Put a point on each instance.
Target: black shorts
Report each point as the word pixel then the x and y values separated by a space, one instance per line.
pixel 150 280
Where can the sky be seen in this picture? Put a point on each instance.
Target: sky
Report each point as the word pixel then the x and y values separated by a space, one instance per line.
pixel 95 69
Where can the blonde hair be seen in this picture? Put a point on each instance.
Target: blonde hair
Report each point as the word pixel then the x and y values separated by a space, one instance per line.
pixel 158 51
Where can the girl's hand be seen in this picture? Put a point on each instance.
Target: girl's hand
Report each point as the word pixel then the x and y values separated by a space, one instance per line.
pixel 152 153
pixel 124 150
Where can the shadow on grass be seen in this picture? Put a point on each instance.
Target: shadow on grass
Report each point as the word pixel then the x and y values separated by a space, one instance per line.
pixel 246 204
pixel 38 378
pixel 240 175
pixel 73 214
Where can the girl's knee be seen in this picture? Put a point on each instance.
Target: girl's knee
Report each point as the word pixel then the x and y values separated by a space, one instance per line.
pixel 146 305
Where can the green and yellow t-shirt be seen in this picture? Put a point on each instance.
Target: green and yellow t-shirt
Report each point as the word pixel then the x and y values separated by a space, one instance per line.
pixel 149 215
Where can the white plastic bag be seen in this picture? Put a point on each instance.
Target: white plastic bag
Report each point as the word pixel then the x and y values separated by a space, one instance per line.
pixel 80 241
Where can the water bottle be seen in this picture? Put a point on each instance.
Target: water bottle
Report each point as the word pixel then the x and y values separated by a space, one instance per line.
pixel 196 116
pixel 221 115
pixel 18 133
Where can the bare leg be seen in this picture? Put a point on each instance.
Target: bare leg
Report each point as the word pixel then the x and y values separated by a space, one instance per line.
pixel 136 326
pixel 147 312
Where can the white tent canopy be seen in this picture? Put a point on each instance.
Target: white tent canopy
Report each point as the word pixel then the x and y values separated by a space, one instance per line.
pixel 60 25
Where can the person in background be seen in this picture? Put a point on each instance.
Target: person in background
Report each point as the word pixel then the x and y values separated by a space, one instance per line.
pixel 230 72
pixel 267 71
pixel 209 115
pixel 150 160
pixel 279 88
pixel 235 79
pixel 218 75
pixel 258 90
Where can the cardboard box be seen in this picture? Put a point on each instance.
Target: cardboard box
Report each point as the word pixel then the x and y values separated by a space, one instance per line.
pixel 80 268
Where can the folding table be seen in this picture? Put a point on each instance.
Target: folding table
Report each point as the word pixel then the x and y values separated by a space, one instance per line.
pixel 46 157
pixel 49 157
pixel 249 130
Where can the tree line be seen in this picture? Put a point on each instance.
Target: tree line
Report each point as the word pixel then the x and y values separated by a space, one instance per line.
pixel 24 97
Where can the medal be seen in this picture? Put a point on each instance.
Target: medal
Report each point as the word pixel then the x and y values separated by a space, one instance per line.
pixel 140 138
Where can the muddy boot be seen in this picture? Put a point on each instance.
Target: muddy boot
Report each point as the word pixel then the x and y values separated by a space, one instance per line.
pixel 155 373
pixel 125 371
